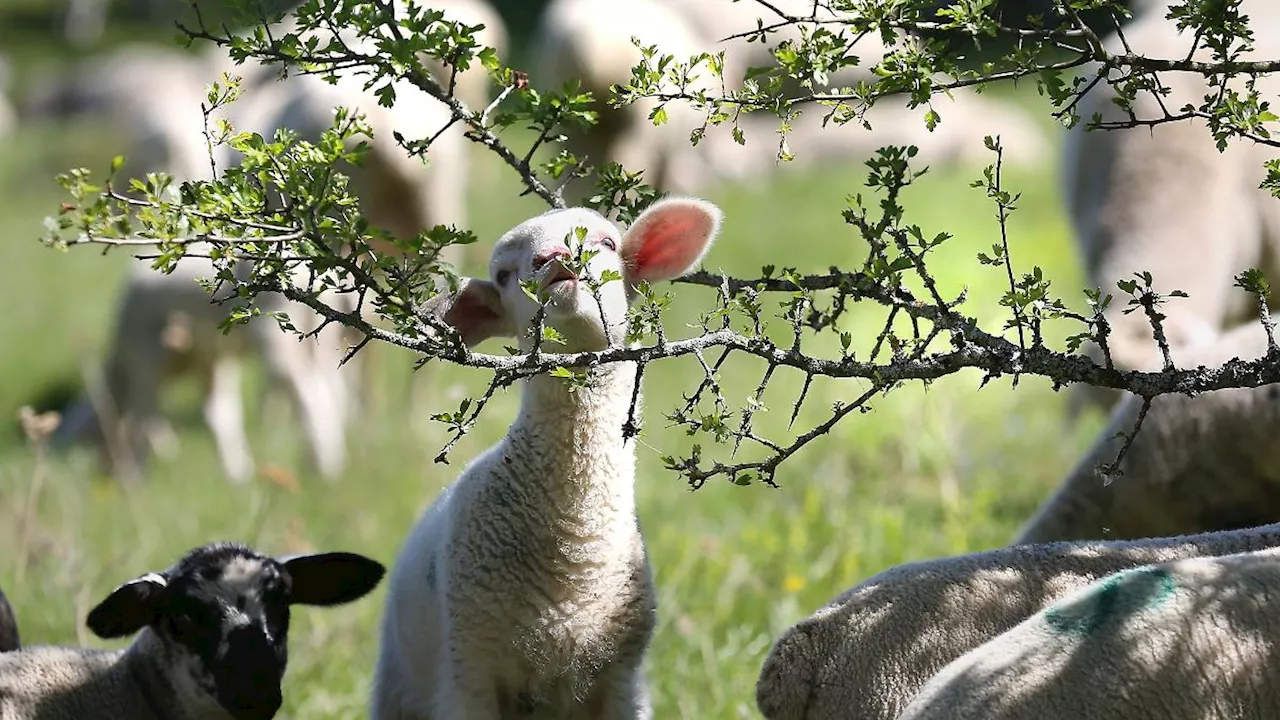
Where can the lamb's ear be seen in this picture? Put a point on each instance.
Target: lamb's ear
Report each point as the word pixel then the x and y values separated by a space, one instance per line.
pixel 129 608
pixel 669 239
pixel 331 578
pixel 475 311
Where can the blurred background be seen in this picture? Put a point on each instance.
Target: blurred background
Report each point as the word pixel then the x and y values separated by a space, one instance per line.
pixel 929 472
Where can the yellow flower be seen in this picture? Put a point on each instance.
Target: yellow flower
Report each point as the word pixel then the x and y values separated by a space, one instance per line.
pixel 793 583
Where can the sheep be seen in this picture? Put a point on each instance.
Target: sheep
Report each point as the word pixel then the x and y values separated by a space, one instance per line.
pixel 8 114
pixel 966 116
pixel 144 352
pixel 9 639
pixel 590 41
pixel 1197 463
pixel 212 634
pixel 471 85
pixel 1189 639
pixel 1163 199
pixel 398 193
pixel 866 653
pixel 525 588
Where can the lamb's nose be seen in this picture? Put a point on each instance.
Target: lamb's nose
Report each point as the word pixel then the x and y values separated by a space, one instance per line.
pixel 546 256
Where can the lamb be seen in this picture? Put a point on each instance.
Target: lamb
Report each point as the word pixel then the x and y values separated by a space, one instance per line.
pixel 866 653
pixel 1197 464
pixel 8 626
pixel 212 636
pixel 1193 639
pixel 525 589
pixel 1164 200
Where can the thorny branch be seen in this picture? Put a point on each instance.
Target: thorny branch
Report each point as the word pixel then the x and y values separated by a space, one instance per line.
pixel 230 217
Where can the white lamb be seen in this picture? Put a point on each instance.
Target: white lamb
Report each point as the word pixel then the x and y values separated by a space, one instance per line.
pixel 1163 199
pixel 1198 464
pixel 868 652
pixel 525 590
pixel 1194 639
pixel 212 640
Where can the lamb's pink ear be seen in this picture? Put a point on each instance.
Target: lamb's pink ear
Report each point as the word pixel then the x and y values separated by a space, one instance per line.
pixel 475 311
pixel 669 239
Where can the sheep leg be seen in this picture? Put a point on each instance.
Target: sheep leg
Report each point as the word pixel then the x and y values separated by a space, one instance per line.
pixel 314 389
pixel 133 378
pixel 224 414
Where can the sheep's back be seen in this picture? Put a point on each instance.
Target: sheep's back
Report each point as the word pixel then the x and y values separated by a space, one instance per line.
pixel 864 655
pixel 1187 639
pixel 57 683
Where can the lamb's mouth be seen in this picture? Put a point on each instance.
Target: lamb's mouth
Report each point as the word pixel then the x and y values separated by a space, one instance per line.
pixel 558 275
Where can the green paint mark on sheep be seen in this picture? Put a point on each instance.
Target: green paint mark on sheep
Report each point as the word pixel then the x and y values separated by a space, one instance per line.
pixel 1123 593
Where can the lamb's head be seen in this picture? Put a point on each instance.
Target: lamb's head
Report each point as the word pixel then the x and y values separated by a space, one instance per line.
pixel 563 253
pixel 221 615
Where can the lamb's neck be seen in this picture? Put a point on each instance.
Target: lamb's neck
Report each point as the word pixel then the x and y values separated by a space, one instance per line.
pixel 164 682
pixel 576 435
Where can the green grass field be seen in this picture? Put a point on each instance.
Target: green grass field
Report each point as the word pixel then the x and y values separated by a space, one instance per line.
pixel 928 473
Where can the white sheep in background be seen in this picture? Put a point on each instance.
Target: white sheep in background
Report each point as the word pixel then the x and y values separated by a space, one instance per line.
pixel 143 355
pixel 590 41
pixel 525 589
pixel 866 653
pixel 8 114
pixel 8 626
pixel 166 127
pixel 398 193
pixel 212 635
pixel 1194 639
pixel 1163 199
pixel 472 85
pixel 1199 463
pixel 966 116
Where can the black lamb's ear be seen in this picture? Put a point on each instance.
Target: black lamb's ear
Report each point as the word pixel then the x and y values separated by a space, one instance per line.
pixel 128 608
pixel 331 578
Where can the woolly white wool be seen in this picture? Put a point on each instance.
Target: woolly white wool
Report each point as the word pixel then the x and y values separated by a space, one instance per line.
pixel 590 41
pixel 525 590
pixel 1198 464
pixel 1164 200
pixel 867 653
pixel 1194 639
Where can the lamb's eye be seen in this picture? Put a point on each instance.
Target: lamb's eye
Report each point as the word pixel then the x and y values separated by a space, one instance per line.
pixel 609 243
pixel 502 276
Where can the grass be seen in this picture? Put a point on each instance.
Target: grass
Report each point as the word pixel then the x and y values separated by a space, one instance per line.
pixel 934 472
